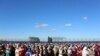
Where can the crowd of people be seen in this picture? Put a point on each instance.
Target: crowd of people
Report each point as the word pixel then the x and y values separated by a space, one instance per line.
pixel 53 49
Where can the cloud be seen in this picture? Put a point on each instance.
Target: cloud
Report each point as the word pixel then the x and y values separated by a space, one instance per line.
pixel 52 29
pixel 41 25
pixel 68 24
pixel 85 18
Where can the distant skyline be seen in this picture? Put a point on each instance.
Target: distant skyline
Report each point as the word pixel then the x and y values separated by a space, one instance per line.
pixel 72 19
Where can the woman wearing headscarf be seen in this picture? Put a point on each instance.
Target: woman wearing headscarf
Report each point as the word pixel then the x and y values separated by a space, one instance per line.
pixel 61 51
pixel 7 51
pixel 50 51
pixel 65 51
pixel 79 51
pixel 2 50
pixel 56 52
pixel 33 51
pixel 29 52
pixel 37 50
pixel 17 51
pixel 91 52
pixel 45 50
pixel 69 51
pixel 12 51
pixel 22 50
pixel 41 51
pixel 74 51
pixel 98 50
pixel 85 51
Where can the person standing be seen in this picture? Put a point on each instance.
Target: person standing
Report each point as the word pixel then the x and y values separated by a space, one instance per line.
pixel 74 51
pixel 61 51
pixel 2 50
pixel 17 52
pixel 29 52
pixel 45 51
pixel 50 51
pixel 37 50
pixel 56 51
pixel 79 51
pixel 7 51
pixel 41 51
pixel 22 51
pixel 85 52
pixel 91 52
pixel 12 51
pixel 69 51
pixel 33 51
